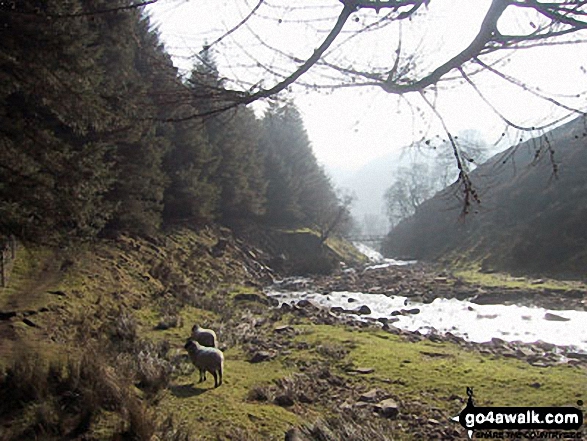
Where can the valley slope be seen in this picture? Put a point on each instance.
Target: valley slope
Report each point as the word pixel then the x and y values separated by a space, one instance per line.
pixel 531 215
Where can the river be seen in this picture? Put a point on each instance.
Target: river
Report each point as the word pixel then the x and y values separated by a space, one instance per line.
pixel 473 322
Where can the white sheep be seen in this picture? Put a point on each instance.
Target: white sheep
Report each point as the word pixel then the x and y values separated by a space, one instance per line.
pixel 206 337
pixel 206 359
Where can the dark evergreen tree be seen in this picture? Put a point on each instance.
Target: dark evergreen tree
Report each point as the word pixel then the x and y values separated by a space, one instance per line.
pixel 234 138
pixel 299 191
pixel 137 68
pixel 53 171
pixel 191 197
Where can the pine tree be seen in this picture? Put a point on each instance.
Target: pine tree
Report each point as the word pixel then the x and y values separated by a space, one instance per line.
pixel 234 138
pixel 52 168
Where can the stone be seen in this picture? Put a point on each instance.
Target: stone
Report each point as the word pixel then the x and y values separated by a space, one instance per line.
pixel 363 310
pixel 364 370
pixel 545 346
pixel 387 408
pixel 283 329
pixel 305 303
pixel 361 405
pixel 555 318
pixel 260 356
pixel 577 355
pixel 370 396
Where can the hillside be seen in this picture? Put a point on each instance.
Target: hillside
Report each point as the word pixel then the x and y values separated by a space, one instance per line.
pixel 531 218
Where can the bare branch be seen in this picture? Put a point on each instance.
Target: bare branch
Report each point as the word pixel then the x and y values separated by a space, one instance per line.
pixel 241 23
pixel 486 34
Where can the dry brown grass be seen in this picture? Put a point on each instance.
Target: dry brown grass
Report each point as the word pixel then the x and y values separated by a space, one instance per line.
pixel 68 399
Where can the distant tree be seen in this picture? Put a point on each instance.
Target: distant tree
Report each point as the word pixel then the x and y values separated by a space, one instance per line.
pixel 334 218
pixel 431 170
pixel 136 67
pixel 412 186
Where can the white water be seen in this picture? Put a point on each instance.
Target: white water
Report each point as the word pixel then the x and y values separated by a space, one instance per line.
pixel 477 323
pixel 378 259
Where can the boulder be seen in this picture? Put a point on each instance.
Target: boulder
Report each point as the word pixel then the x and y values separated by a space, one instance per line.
pixel 387 408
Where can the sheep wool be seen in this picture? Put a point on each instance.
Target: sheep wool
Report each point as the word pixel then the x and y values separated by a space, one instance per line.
pixel 206 337
pixel 206 359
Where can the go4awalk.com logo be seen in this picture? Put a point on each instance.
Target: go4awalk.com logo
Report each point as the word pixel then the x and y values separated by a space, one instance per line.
pixel 520 422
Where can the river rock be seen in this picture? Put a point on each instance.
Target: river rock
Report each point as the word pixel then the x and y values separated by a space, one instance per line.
pixel 364 309
pixel 305 303
pixel 555 318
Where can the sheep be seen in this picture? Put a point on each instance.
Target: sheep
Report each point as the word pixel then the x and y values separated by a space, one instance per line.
pixel 206 359
pixel 206 337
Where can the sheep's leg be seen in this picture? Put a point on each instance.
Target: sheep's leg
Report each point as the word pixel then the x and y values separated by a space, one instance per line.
pixel 216 384
pixel 202 375
pixel 220 375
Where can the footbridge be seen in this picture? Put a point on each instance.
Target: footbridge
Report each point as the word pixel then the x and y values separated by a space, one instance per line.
pixel 365 238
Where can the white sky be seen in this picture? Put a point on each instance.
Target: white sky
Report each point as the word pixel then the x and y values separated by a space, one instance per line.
pixel 351 127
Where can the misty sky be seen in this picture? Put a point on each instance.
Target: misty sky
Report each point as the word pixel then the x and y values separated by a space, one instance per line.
pixel 351 127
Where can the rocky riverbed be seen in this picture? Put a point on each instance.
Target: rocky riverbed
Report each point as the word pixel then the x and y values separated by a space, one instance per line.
pixel 424 283
pixel 420 284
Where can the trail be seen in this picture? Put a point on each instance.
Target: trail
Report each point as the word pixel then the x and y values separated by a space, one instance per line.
pixel 25 296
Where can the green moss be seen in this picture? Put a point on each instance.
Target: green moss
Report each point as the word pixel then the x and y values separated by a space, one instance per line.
pixel 475 276
pixel 346 250
pixel 433 372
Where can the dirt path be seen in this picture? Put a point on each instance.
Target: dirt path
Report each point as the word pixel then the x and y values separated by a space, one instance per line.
pixel 26 294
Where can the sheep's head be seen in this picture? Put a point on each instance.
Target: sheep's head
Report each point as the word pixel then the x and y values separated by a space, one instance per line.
pixel 195 328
